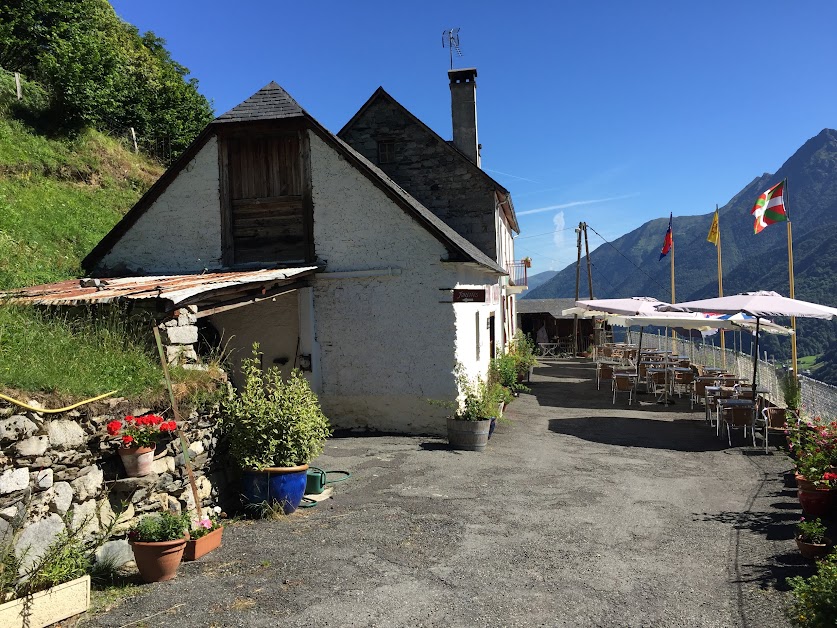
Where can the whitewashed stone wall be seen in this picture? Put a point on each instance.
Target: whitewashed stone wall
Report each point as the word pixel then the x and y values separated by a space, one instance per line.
pixel 60 469
pixel 181 231
pixel 273 323
pixel 387 343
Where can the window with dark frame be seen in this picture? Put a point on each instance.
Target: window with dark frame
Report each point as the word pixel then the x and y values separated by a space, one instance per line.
pixel 386 151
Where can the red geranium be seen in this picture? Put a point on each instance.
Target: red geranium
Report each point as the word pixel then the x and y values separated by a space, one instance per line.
pixel 141 431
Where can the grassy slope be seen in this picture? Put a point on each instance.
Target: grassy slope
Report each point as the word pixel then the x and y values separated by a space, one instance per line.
pixel 58 198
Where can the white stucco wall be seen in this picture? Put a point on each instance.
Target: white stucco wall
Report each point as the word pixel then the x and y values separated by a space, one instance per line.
pixel 389 343
pixel 273 323
pixel 181 231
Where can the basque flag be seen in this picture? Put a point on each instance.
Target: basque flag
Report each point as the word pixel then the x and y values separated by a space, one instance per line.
pixel 669 241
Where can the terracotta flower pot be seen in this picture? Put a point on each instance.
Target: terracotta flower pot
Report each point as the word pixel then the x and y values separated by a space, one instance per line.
pixel 158 562
pixel 803 484
pixel 813 551
pixel 815 503
pixel 195 548
pixel 137 460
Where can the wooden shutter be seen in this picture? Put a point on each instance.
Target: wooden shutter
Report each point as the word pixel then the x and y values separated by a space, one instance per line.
pixel 266 199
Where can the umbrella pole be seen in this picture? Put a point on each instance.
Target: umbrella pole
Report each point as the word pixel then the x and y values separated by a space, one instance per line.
pixel 755 373
pixel 666 401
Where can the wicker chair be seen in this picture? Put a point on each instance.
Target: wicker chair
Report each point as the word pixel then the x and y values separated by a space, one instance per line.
pixel 683 382
pixel 739 417
pixel 622 382
pixel 773 420
pixel 604 372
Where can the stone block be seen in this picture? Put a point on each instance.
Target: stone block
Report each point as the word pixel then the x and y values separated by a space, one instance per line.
pixel 62 497
pixel 36 538
pixel 115 553
pixel 12 480
pixel 204 487
pixel 163 465
pixel 186 335
pixel 107 515
pixel 42 479
pixel 196 448
pixel 10 513
pixel 180 353
pixel 65 434
pixel 39 505
pixel 16 427
pixel 32 446
pixel 89 483
pixel 85 517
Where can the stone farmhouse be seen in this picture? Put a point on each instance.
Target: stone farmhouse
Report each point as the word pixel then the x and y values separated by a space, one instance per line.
pixel 271 229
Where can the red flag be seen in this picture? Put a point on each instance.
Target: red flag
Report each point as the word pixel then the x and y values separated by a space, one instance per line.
pixel 669 241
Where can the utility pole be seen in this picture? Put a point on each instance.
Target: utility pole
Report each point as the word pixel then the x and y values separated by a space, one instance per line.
pixel 577 280
pixel 587 253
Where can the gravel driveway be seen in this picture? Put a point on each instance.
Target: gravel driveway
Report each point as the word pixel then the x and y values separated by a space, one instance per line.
pixel 580 513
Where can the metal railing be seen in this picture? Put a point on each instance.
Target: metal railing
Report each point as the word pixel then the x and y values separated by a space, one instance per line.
pixel 518 275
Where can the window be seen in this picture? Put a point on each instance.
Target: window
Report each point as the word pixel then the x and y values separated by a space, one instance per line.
pixel 386 151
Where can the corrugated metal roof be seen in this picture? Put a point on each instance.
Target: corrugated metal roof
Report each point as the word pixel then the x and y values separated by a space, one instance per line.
pixel 176 289
pixel 544 306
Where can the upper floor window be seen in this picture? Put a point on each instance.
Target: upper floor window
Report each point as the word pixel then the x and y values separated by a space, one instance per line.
pixel 386 151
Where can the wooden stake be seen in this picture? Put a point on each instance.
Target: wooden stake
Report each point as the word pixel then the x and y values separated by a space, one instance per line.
pixel 134 137
pixel 18 86
pixel 184 443
pixel 721 288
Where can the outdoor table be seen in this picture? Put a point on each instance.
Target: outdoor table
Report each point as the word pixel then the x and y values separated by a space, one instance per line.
pixel 709 370
pixel 548 349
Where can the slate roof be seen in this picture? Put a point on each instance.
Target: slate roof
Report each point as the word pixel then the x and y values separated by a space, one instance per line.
pixel 382 93
pixel 271 102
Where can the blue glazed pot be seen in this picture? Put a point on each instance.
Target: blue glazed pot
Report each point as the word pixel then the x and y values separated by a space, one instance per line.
pixel 283 485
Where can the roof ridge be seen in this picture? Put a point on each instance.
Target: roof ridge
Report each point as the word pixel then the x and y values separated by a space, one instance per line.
pixel 271 102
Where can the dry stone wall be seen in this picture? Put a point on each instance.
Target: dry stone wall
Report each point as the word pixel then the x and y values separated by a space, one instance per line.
pixel 64 469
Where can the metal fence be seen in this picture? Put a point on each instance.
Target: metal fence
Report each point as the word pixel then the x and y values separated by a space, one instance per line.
pixel 818 398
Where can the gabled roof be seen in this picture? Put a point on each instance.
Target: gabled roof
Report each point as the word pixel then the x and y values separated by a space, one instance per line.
pixel 274 103
pixel 271 102
pixel 381 93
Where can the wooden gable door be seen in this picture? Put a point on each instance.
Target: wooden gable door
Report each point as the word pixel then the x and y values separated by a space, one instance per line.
pixel 267 199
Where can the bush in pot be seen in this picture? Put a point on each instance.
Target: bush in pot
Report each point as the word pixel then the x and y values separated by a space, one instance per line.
pixel 522 349
pixel 158 541
pixel 477 405
pixel 275 428
pixel 814 604
pixel 811 539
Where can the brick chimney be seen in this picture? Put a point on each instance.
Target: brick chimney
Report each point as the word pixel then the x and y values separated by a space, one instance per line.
pixel 463 105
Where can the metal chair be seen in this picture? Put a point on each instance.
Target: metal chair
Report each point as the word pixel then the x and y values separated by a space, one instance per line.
pixel 739 417
pixel 623 382
pixel 604 371
pixel 773 419
pixel 683 382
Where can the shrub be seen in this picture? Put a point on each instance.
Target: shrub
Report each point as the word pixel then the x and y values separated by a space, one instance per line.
pixel 478 399
pixel 504 370
pixel 815 604
pixel 163 526
pixel 811 531
pixel 522 347
pixel 271 422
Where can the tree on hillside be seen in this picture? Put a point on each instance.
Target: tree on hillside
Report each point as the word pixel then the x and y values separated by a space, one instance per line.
pixel 101 72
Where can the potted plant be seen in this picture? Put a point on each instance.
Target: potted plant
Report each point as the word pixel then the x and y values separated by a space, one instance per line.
pixel 477 404
pixel 791 392
pixel 158 541
pixel 204 536
pixel 814 604
pixel 811 539
pixel 522 349
pixel 275 428
pixel 139 436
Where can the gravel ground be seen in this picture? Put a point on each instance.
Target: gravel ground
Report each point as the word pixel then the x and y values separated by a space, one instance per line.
pixel 580 513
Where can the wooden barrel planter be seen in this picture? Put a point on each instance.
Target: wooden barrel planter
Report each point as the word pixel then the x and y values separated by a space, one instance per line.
pixel 468 435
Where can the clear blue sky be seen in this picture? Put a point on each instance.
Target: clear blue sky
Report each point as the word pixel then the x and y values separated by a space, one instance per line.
pixel 608 112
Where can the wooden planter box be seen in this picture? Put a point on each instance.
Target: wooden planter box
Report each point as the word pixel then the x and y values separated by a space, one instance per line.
pixel 47 607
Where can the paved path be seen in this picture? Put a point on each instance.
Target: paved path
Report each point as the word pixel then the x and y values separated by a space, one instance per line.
pixel 580 513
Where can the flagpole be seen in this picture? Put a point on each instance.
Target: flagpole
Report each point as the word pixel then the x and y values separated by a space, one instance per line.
pixel 790 276
pixel 721 286
pixel 673 299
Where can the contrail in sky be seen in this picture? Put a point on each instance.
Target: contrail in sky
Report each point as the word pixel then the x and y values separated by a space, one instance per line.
pixel 513 176
pixel 573 204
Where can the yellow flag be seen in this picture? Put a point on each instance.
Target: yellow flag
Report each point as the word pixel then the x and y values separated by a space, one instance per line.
pixel 714 234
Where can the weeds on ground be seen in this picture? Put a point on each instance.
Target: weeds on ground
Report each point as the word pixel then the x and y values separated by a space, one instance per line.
pixel 85 355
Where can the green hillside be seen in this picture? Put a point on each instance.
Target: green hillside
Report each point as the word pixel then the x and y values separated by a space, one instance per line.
pixel 58 197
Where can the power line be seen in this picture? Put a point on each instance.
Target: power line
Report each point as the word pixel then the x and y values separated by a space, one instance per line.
pixel 629 260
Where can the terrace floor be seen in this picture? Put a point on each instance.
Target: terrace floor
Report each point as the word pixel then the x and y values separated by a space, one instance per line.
pixel 580 513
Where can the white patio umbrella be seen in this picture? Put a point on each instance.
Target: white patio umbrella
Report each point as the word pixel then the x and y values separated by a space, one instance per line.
pixel 632 306
pixel 759 304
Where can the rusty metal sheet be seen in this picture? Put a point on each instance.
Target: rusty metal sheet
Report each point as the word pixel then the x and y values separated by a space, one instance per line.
pixel 175 289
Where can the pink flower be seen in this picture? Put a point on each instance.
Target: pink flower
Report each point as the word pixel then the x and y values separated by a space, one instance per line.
pixel 205 523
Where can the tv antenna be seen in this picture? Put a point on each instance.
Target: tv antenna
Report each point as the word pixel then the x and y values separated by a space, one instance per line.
pixel 450 39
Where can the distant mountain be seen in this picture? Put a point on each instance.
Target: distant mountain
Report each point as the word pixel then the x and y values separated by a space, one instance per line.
pixel 629 265
pixel 538 280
